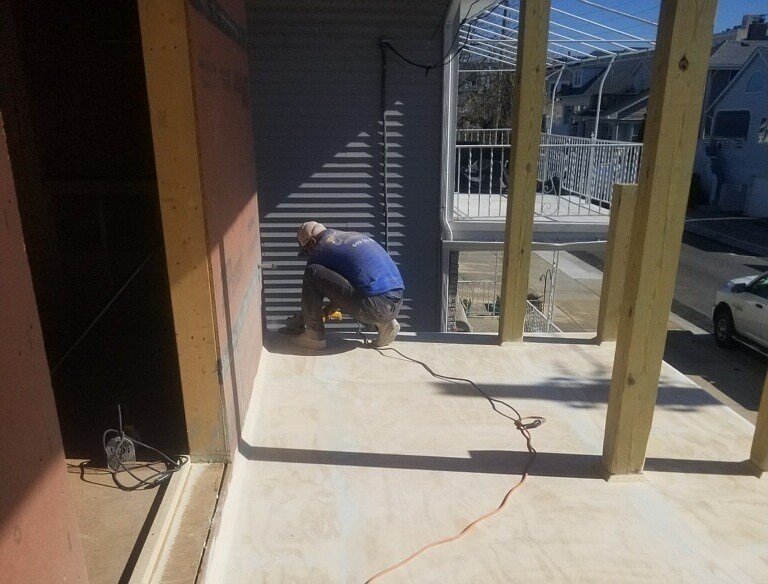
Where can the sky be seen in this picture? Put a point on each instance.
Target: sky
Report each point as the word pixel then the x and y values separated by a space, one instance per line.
pixel 729 12
pixel 580 28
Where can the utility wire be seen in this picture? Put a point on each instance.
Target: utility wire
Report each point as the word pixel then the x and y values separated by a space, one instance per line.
pixel 450 54
pixel 104 310
pixel 115 449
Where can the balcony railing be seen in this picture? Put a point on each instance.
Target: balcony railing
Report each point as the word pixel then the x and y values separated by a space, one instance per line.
pixel 480 299
pixel 575 175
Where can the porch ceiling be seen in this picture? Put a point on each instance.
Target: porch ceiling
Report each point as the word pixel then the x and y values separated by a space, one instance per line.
pixel 352 460
pixel 579 31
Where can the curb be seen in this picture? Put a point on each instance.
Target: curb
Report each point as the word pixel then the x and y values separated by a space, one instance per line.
pixel 752 248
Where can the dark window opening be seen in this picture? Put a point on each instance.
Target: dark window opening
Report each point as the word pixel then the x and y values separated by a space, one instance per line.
pixel 733 124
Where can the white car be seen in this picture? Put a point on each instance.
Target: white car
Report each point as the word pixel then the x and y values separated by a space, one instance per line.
pixel 741 312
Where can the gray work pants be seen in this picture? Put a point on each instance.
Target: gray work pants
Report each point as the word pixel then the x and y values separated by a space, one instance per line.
pixel 321 283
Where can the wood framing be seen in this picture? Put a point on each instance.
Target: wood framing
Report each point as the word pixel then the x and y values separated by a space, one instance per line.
pixel 527 107
pixel 679 70
pixel 169 69
pixel 615 271
pixel 759 455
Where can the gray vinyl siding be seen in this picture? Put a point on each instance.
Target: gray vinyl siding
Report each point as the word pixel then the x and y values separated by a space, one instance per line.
pixel 741 162
pixel 316 88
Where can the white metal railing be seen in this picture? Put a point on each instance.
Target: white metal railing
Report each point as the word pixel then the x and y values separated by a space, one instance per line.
pixel 492 137
pixel 481 299
pixel 536 322
pixel 587 168
pixel 575 175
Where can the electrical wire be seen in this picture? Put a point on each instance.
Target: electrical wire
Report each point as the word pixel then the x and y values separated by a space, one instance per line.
pixel 523 424
pixel 117 465
pixel 448 54
pixel 103 311
pixel 385 143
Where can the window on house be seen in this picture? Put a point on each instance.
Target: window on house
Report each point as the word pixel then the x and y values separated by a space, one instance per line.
pixel 762 132
pixel 731 124
pixel 756 83
pixel 577 78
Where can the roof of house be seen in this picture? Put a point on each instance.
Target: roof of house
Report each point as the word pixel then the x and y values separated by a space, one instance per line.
pixel 632 109
pixel 621 76
pixel 733 54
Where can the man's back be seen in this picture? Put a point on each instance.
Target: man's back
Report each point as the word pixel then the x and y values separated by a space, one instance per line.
pixel 357 257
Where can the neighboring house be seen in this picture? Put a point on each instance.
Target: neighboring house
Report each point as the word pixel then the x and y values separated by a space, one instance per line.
pixel 726 61
pixel 570 93
pixel 621 104
pixel 737 142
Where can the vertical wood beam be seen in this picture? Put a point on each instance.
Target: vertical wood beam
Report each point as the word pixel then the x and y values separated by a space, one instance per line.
pixel 615 270
pixel 677 89
pixel 759 455
pixel 525 139
pixel 169 72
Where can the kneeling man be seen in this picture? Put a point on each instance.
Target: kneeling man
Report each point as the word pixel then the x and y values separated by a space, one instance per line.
pixel 356 275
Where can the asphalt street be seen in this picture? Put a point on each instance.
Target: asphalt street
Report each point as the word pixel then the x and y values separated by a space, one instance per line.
pixel 735 376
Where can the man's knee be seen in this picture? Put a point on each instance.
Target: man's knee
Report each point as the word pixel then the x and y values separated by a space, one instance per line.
pixel 310 272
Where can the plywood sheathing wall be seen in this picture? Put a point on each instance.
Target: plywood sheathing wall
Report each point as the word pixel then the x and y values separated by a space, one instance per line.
pixel 197 80
pixel 39 538
pixel 224 125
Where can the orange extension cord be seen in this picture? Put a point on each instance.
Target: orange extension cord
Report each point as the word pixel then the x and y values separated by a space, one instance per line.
pixel 522 426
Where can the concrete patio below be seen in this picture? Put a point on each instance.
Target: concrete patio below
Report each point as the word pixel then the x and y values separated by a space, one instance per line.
pixel 352 459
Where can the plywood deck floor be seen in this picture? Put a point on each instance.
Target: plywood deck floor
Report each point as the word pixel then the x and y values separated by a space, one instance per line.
pixel 351 460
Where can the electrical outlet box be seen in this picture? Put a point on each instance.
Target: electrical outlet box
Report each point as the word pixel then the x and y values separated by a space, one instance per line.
pixel 119 451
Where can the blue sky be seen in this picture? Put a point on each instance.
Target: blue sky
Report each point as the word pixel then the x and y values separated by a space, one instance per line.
pixel 580 28
pixel 729 12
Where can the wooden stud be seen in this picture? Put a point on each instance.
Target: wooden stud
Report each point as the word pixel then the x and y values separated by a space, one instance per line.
pixel 759 455
pixel 174 133
pixel 615 271
pixel 525 134
pixel 677 88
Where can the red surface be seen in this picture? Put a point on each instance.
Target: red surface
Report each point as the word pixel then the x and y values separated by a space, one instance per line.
pixel 220 76
pixel 39 538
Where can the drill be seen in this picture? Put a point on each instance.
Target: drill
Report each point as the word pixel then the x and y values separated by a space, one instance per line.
pixel 331 313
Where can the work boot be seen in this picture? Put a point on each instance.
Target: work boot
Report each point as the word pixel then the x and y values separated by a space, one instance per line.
pixel 293 325
pixel 311 339
pixel 387 333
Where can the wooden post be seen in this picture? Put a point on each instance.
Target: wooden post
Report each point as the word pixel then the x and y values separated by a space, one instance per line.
pixel 615 271
pixel 759 455
pixel 679 70
pixel 525 139
pixel 174 132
